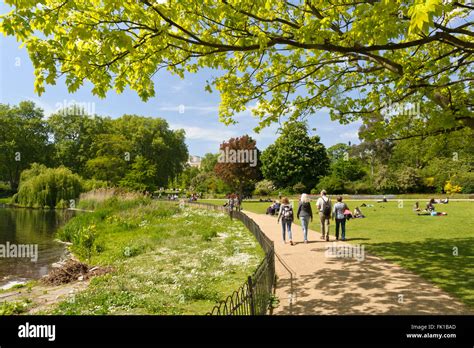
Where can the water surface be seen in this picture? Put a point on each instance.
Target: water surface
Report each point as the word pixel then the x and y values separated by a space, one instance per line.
pixel 30 226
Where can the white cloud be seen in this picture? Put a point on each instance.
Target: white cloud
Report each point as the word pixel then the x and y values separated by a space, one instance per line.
pixel 180 86
pixel 204 109
pixel 351 135
pixel 216 134
pixel 200 110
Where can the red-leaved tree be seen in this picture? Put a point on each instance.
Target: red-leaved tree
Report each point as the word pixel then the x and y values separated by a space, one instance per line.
pixel 238 164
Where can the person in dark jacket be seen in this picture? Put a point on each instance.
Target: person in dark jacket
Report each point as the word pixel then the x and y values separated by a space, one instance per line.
pixel 305 214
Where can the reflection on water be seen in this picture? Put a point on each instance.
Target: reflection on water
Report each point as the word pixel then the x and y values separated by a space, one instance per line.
pixel 30 226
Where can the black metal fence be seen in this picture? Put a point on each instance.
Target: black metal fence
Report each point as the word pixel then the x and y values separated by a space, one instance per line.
pixel 254 296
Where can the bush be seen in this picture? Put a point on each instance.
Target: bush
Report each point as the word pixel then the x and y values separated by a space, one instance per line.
pixel 331 184
pixel 264 188
pixel 384 180
pixel 5 190
pixel 408 180
pixel 93 184
pixel 299 187
pixel 361 187
pixel 87 239
pixel 209 182
pixel 283 192
pixel 72 231
pixel 42 187
pixel 465 181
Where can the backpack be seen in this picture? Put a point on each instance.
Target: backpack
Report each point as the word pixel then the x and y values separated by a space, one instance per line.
pixel 326 207
pixel 287 213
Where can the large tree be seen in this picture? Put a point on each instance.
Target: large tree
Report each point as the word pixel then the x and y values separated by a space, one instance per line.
pixel 92 146
pixel 151 138
pixel 295 157
pixel 208 162
pixel 75 137
pixel 368 60
pixel 23 140
pixel 338 151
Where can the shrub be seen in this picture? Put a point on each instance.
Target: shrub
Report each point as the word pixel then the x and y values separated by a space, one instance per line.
pixel 408 180
pixel 465 181
pixel 87 239
pixel 299 187
pixel 331 184
pixel 5 190
pixel 93 184
pixel 359 187
pixel 264 188
pixel 42 187
pixel 385 180
pixel 450 188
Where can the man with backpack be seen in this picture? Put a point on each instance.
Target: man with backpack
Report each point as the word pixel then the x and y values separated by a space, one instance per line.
pixel 324 207
pixel 286 216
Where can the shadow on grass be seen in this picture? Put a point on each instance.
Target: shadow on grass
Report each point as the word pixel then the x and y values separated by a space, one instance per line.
pixel 351 239
pixel 374 286
pixel 448 263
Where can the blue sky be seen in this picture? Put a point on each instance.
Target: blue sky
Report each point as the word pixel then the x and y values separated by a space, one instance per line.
pixel 204 132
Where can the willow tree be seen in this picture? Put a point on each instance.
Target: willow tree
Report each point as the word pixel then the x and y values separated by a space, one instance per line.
pixel 359 58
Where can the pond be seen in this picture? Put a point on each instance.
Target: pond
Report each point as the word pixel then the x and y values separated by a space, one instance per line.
pixel 27 243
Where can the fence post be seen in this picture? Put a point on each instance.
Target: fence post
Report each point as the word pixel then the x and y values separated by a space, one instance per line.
pixel 252 300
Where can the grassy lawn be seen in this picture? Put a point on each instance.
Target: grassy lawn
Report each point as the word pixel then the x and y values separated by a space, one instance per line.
pixel 423 244
pixel 167 260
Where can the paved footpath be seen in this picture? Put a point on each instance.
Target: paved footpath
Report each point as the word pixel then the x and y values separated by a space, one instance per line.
pixel 309 282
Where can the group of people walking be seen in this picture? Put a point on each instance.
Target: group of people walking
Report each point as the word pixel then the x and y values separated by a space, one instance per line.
pixel 234 202
pixel 339 212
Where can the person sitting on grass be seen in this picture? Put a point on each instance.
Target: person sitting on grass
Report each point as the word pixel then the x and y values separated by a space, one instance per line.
pixel 384 200
pixel 358 214
pixel 273 209
pixel 277 206
pixel 444 201
pixel 430 206
pixel 348 214
pixel 286 217
pixel 269 210
pixel 416 207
